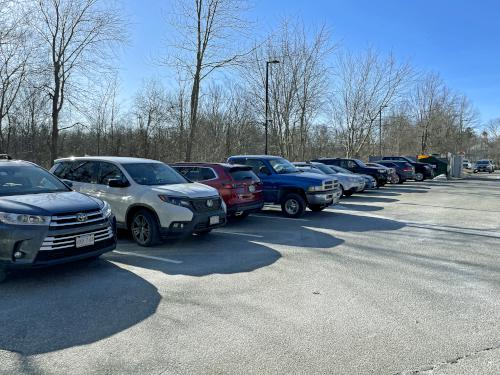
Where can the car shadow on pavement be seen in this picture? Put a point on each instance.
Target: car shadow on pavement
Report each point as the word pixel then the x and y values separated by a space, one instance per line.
pixel 359 207
pixel 409 190
pixel 76 304
pixel 237 248
pixel 343 222
pixel 371 199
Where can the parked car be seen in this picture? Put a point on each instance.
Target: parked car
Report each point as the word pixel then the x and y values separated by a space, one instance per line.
pixel 349 183
pixel 466 164
pixel 404 170
pixel 43 222
pixel 423 171
pixel 357 166
pixel 294 190
pixel 393 176
pixel 148 197
pixel 484 166
pixel 370 182
pixel 240 188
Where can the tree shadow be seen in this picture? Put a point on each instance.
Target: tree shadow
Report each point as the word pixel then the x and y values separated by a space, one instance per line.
pixel 55 308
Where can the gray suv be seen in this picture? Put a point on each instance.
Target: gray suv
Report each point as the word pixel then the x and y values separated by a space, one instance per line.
pixel 43 222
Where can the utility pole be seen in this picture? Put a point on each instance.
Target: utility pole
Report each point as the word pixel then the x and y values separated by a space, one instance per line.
pixel 266 125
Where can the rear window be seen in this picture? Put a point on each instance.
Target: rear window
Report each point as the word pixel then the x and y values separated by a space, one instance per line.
pixel 243 174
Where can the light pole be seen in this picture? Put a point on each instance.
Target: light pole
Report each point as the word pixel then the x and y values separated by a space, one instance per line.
pixel 266 125
pixel 380 130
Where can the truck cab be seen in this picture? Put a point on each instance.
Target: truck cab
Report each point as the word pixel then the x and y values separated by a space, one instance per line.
pixel 287 186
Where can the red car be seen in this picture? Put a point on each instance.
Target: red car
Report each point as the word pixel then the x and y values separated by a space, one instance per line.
pixel 240 188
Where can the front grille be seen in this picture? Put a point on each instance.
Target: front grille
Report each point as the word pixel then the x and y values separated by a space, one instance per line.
pixel 203 205
pixel 77 219
pixel 52 243
pixel 46 256
pixel 328 185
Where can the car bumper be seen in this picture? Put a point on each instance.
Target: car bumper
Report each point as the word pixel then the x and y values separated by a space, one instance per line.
pixel 326 198
pixel 247 207
pixel 199 223
pixel 30 239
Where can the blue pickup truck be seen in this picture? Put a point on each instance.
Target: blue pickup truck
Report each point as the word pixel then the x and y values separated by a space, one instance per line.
pixel 294 190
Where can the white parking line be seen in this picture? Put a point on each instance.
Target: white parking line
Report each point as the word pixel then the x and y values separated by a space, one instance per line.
pixel 149 257
pixel 278 218
pixel 239 234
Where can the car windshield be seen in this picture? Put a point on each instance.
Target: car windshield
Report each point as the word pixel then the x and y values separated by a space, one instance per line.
pixel 359 162
pixel 154 174
pixel 340 169
pixel 282 166
pixel 325 169
pixel 483 162
pixel 18 179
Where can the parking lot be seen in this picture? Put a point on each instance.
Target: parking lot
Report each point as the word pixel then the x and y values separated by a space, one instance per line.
pixel 404 279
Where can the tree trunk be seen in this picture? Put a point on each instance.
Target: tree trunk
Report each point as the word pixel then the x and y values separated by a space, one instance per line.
pixel 193 115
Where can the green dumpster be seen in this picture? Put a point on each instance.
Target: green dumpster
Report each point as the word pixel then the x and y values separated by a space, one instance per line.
pixel 440 164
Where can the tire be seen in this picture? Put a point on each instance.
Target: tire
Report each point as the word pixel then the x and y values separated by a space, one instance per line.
pixel 3 274
pixel 348 193
pixel 396 179
pixel 203 232
pixel 401 180
pixel 317 207
pixel 419 176
pixel 144 228
pixel 293 205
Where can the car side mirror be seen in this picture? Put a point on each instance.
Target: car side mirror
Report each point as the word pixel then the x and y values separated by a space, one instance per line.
pixel 68 183
pixel 115 183
pixel 264 170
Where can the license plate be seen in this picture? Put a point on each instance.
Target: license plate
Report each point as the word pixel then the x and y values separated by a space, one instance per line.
pixel 214 220
pixel 86 240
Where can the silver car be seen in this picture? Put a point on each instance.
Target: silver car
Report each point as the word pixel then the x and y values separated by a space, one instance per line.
pixel 148 197
pixel 349 183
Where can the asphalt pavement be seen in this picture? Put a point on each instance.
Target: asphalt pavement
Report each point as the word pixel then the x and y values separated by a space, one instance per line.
pixel 401 280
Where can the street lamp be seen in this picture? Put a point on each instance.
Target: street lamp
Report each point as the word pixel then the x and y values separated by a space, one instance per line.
pixel 380 129
pixel 267 100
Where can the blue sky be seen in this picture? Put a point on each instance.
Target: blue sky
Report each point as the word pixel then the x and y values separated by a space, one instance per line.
pixel 458 39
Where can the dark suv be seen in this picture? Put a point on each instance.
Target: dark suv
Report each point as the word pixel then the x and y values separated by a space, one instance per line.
pixel 404 170
pixel 44 222
pixel 357 166
pixel 240 188
pixel 423 171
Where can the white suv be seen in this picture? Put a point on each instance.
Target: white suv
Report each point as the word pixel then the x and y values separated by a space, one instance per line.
pixel 148 197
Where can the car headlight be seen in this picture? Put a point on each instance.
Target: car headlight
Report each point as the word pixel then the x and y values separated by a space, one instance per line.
pixel 23 219
pixel 175 200
pixel 106 210
pixel 315 188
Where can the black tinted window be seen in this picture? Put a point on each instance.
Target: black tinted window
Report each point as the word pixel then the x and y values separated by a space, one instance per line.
pixel 110 172
pixel 240 175
pixel 80 171
pixel 255 164
pixel 153 174
pixel 22 179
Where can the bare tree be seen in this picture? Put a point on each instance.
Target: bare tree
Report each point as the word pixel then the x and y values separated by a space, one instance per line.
pixel 364 85
pixel 76 38
pixel 209 31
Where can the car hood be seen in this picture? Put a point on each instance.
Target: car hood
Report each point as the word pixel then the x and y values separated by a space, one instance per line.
pixel 313 178
pixel 189 190
pixel 49 204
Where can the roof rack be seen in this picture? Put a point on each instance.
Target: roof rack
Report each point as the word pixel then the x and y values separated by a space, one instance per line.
pixel 5 157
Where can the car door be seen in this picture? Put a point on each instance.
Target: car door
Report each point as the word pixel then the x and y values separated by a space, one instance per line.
pixel 118 197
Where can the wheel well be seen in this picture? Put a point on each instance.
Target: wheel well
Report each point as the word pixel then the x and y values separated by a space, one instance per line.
pixel 132 210
pixel 285 191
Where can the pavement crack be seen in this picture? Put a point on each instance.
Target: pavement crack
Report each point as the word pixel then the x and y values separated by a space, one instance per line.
pixel 429 369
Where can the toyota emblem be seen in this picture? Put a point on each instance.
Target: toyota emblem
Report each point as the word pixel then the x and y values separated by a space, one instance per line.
pixel 81 217
pixel 210 203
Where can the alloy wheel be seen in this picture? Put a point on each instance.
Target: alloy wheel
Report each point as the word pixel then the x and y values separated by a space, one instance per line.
pixel 141 229
pixel 292 207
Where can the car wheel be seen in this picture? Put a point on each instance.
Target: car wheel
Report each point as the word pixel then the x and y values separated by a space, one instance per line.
pixel 293 205
pixel 401 180
pixel 203 232
pixel 348 193
pixel 419 176
pixel 396 179
pixel 317 207
pixel 144 228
